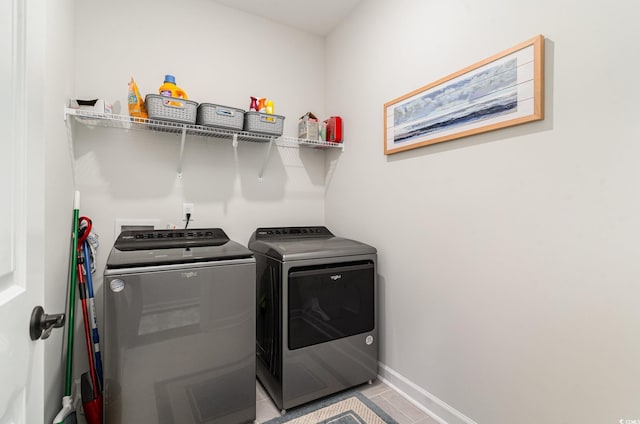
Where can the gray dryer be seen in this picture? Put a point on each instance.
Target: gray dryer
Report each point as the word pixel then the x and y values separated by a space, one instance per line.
pixel 316 313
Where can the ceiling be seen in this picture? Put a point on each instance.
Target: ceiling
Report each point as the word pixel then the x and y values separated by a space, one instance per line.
pixel 315 17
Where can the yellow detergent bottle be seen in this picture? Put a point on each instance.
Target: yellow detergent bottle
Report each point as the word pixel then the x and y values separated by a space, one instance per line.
pixel 170 89
pixel 135 101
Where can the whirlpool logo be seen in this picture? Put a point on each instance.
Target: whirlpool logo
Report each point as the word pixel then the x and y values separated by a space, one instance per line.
pixel 336 277
pixel 189 274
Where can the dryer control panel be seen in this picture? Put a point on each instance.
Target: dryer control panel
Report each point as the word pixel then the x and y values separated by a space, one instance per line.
pixel 292 232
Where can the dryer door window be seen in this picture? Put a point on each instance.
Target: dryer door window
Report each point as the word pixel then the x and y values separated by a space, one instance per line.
pixel 329 302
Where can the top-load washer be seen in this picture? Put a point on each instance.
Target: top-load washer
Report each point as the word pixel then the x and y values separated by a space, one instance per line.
pixel 316 313
pixel 179 321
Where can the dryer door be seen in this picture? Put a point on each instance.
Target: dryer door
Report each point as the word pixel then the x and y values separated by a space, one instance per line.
pixel 329 302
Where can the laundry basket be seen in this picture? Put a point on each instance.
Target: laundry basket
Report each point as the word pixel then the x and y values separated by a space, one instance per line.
pixel 171 109
pixel 213 115
pixel 263 123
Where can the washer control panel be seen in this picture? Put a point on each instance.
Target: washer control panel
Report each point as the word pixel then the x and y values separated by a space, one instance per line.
pixel 169 239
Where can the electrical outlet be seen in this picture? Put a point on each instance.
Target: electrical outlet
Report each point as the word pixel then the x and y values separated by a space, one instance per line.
pixel 187 208
pixel 135 224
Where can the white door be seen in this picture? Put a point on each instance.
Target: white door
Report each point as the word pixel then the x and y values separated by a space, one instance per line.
pixel 21 212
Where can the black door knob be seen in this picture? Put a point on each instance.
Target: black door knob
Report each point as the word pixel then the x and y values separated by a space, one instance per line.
pixel 41 324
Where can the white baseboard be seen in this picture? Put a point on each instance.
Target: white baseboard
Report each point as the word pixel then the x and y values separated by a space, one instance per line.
pixel 430 404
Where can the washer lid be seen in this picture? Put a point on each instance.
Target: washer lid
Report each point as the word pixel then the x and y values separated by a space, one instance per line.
pixel 151 248
pixel 298 243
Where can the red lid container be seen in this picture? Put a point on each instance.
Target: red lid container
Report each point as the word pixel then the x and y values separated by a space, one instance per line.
pixel 334 129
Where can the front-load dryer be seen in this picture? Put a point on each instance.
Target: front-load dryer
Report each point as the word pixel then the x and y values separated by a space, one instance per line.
pixel 316 313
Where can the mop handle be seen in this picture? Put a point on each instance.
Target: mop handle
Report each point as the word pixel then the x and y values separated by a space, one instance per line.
pixel 72 294
pixel 87 332
pixel 92 312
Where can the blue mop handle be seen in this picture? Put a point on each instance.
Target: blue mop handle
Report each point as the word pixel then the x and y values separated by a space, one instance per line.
pixel 92 312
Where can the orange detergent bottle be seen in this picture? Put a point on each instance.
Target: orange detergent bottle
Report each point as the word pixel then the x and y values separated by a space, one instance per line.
pixel 170 89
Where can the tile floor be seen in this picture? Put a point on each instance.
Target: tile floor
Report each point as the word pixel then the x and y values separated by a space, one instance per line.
pixel 390 401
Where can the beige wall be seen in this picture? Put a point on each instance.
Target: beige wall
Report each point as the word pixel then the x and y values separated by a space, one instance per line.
pixel 509 260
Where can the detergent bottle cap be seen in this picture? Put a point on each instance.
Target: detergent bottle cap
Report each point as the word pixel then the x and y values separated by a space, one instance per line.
pixel 170 78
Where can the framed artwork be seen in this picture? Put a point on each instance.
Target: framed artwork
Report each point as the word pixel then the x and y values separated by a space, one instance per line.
pixel 503 90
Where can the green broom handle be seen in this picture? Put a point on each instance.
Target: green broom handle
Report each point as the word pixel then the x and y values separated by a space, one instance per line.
pixel 72 294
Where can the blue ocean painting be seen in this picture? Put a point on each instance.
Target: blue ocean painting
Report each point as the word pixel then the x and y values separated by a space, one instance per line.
pixel 487 94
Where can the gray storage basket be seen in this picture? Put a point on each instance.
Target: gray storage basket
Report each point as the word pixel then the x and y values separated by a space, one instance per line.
pixel 220 116
pixel 263 123
pixel 172 109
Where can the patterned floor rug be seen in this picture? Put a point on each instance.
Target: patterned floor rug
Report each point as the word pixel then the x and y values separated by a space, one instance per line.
pixel 345 408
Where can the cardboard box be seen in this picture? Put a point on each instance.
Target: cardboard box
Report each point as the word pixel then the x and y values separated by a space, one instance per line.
pixel 94 105
pixel 308 127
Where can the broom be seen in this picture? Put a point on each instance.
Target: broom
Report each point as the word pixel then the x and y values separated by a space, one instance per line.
pixel 90 387
pixel 67 414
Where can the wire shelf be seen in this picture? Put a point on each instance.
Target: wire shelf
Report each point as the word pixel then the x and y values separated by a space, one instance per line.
pixel 126 122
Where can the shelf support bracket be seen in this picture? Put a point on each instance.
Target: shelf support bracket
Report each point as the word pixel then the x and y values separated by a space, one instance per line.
pixel 266 159
pixel 235 140
pixel 183 138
